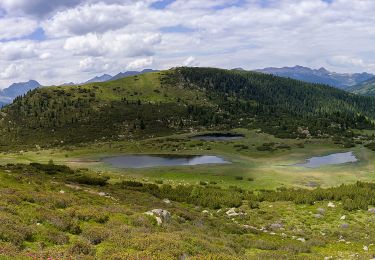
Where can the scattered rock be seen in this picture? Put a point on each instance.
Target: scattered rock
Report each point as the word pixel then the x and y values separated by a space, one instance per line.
pixel 343 217
pixel 365 248
pixel 205 211
pixel 166 201
pixel 317 215
pixel 75 187
pixel 159 221
pixel 62 192
pixel 301 239
pixel 161 215
pixel 102 194
pixel 371 210
pixel 232 212
pixel 331 205
pixel 321 211
pixel 276 226
pixel 345 225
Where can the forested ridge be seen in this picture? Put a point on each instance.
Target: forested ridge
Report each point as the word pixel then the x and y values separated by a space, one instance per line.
pixel 280 103
pixel 179 100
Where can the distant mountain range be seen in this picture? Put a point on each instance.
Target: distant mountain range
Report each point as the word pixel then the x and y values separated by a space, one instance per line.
pixel 17 89
pixel 102 78
pixel 321 76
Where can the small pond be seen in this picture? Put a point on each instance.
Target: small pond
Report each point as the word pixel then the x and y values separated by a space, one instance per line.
pixel 331 159
pixel 147 161
pixel 218 137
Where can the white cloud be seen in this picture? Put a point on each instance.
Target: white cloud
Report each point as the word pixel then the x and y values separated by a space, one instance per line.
pixel 96 18
pixel 140 63
pixel 190 61
pixel 18 50
pixel 113 44
pixel 36 7
pixel 346 61
pixel 93 65
pixel 90 44
pixel 94 36
pixel 45 56
pixel 11 72
pixel 13 28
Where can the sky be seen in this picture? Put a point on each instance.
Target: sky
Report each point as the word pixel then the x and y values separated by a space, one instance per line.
pixel 62 41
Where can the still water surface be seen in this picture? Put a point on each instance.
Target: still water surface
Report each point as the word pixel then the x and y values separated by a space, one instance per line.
pixel 147 161
pixel 331 159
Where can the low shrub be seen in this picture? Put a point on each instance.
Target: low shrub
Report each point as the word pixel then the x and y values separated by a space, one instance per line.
pixel 52 168
pixel 81 247
pixel 89 180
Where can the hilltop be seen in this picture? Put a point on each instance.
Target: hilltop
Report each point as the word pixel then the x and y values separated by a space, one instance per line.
pixel 180 100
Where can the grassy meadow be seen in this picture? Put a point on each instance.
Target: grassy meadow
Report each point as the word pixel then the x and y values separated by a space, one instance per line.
pixel 258 169
pixel 63 215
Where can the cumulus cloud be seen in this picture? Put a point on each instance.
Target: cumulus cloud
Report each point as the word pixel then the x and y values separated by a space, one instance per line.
pixel 45 56
pixel 92 65
pixel 140 63
pixel 93 36
pixel 11 51
pixel 13 28
pixel 90 44
pixel 113 44
pixel 11 72
pixel 346 61
pixel 96 18
pixel 190 61
pixel 36 7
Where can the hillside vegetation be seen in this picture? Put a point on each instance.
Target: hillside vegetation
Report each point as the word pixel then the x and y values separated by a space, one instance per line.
pixel 366 88
pixel 51 211
pixel 180 100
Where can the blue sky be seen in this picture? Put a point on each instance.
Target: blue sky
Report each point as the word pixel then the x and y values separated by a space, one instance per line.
pixel 72 40
pixel 161 4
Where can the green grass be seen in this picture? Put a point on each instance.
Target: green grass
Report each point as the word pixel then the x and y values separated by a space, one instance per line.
pixel 267 169
pixel 74 220
pixel 46 216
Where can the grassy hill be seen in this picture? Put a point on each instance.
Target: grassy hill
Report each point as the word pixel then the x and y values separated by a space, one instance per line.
pixel 366 88
pixel 180 100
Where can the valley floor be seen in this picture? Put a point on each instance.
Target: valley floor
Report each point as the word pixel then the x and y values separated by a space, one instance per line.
pixel 268 169
pixel 64 214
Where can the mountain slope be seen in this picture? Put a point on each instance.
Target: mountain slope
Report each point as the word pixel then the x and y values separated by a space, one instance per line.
pixel 178 100
pixel 366 88
pixel 102 78
pixel 321 76
pixel 17 89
